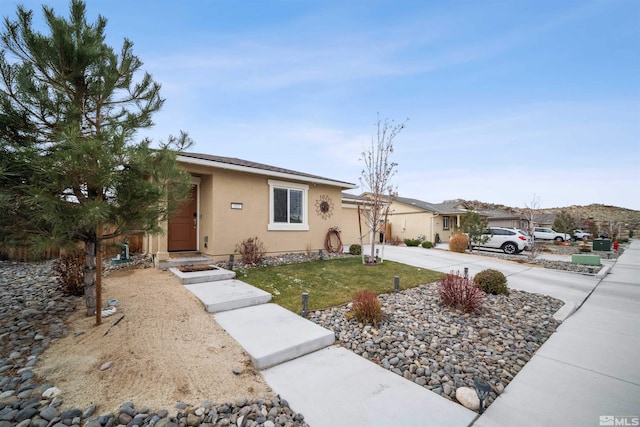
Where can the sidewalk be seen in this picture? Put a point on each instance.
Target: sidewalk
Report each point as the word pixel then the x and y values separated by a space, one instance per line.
pixel 589 367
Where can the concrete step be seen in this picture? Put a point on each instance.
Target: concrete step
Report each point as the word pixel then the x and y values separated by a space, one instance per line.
pixel 359 393
pixel 186 260
pixel 223 295
pixel 272 335
pixel 189 278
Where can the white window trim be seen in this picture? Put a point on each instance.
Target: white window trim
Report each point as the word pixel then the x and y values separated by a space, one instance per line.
pixel 279 226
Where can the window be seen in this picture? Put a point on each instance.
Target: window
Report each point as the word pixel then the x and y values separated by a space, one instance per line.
pixel 445 222
pixel 287 206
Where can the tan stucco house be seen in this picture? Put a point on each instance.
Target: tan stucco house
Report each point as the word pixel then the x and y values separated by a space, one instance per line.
pixel 234 199
pixel 412 218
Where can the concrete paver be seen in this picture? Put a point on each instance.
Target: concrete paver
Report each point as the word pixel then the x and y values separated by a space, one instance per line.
pixel 271 334
pixel 226 295
pixel 335 387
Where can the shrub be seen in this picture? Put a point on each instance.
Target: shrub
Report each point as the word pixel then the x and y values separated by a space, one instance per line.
pixel 458 243
pixel 457 292
pixel 394 241
pixel 491 282
pixel 366 307
pixel 584 248
pixel 427 245
pixel 355 250
pixel 70 270
pixel 412 242
pixel 252 250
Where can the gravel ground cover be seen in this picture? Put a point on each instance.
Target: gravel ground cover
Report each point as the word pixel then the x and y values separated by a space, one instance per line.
pixel 32 315
pixel 442 349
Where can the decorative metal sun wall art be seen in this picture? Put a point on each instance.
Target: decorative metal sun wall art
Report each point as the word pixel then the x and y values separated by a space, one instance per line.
pixel 324 206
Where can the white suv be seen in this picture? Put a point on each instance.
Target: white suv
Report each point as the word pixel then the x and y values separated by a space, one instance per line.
pixel 510 240
pixel 543 233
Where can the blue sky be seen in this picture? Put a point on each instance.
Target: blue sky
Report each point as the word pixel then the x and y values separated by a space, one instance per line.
pixel 506 100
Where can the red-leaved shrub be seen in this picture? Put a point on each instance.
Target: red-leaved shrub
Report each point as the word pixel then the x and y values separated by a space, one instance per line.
pixel 69 269
pixel 459 292
pixel 252 250
pixel 366 307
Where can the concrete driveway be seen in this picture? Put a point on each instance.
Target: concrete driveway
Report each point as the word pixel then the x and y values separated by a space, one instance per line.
pixel 587 373
pixel 572 288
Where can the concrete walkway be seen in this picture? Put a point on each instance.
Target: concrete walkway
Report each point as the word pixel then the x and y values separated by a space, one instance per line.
pixel 588 368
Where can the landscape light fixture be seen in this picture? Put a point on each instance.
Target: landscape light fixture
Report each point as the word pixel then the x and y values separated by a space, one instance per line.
pixel 466 272
pixel 482 390
pixel 230 264
pixel 305 304
pixel 320 255
pixel 396 284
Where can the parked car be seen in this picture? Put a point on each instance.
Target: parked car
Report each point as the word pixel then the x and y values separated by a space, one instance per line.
pixel 581 235
pixel 529 243
pixel 510 240
pixel 543 233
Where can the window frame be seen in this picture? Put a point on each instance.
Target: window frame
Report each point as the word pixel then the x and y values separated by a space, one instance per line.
pixel 446 222
pixel 288 226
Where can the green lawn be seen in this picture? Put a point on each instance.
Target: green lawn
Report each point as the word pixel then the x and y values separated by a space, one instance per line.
pixel 331 282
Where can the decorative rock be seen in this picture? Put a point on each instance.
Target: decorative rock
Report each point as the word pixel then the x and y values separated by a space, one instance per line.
pixel 439 348
pixel 51 392
pixel 49 413
pixel 468 398
pixel 106 366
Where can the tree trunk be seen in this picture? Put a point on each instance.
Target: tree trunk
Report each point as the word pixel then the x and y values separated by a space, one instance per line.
pixel 90 276
pixel 372 258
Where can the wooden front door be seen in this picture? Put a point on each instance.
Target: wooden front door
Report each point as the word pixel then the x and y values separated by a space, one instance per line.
pixel 183 226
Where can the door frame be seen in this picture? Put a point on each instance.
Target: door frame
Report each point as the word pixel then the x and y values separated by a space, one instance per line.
pixel 195 182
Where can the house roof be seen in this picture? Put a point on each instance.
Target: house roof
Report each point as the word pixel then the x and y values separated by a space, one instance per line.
pixel 354 198
pixel 494 214
pixel 240 165
pixel 449 207
pixel 545 218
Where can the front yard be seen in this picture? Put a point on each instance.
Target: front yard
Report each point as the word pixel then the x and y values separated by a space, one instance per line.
pixel 331 282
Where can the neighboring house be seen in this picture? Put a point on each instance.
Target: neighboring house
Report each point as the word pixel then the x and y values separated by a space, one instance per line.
pixel 233 200
pixel 545 220
pixel 354 227
pixel 411 218
pixel 505 219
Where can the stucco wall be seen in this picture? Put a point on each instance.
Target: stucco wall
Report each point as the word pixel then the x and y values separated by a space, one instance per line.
pixel 349 228
pixel 408 222
pixel 221 228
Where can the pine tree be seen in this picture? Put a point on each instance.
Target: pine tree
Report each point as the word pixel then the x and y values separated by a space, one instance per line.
pixel 70 168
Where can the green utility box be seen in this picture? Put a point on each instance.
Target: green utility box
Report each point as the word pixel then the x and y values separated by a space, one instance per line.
pixel 585 259
pixel 602 245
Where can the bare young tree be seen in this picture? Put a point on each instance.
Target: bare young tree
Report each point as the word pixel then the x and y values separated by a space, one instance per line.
pixel 531 216
pixel 376 177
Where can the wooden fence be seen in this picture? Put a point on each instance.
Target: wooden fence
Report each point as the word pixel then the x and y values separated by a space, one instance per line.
pixel 111 248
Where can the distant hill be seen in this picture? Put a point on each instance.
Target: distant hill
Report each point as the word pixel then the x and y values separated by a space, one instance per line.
pixel 604 216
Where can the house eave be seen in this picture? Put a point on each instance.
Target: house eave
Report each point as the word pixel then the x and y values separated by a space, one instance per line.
pixel 258 171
